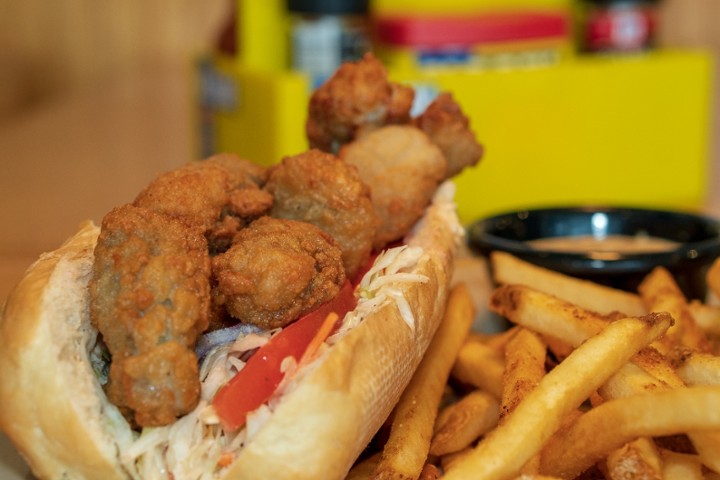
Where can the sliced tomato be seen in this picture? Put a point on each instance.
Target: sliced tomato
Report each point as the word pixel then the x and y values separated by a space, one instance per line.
pixel 258 380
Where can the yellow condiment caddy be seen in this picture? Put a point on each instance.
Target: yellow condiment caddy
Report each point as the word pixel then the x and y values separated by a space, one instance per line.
pixel 598 130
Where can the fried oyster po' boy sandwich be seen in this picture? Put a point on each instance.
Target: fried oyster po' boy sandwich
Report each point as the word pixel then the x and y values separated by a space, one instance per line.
pixel 236 321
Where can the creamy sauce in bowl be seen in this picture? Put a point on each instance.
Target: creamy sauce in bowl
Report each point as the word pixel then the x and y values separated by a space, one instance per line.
pixel 614 244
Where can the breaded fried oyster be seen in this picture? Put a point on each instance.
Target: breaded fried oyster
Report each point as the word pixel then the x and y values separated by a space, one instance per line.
pixel 221 195
pixel 276 271
pixel 403 168
pixel 356 99
pixel 150 299
pixel 448 128
pixel 319 188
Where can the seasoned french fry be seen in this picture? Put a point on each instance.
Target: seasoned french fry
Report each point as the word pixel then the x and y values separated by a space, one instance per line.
pixel 637 459
pixel 460 424
pixel 620 383
pixel 681 465
pixel 508 269
pixel 480 366
pixel 533 476
pixel 657 365
pixel 709 476
pixel 616 422
pixel 496 341
pixel 632 380
pixel 552 316
pixel 429 472
pixel 707 317
pixel 364 469
pixel 447 461
pixel 660 293
pixel 707 446
pixel 504 451
pixel 696 368
pixel 406 450
pixel 524 368
pixel 546 314
pixel 712 279
pixel 559 349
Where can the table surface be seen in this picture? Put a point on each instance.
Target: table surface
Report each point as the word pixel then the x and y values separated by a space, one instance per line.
pixel 79 157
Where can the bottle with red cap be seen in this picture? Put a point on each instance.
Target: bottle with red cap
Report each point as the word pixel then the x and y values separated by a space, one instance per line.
pixel 619 25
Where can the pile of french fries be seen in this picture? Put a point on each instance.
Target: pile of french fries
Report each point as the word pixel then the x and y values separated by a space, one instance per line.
pixel 589 382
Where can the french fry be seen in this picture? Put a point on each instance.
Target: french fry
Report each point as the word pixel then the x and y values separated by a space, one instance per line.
pixel 616 422
pixel 461 423
pixel 681 465
pixel 553 317
pixel 533 476
pixel 710 476
pixel 657 365
pixel 496 341
pixel 559 349
pixel 546 314
pixel 660 293
pixel 480 366
pixel 707 446
pixel 430 472
pixel 706 316
pixel 630 380
pixel 620 383
pixel 407 447
pixel 637 459
pixel 697 368
pixel 712 279
pixel 504 451
pixel 447 461
pixel 508 269
pixel 524 368
pixel 364 469
pixel 633 380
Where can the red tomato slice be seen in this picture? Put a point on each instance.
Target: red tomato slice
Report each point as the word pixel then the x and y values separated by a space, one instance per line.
pixel 257 381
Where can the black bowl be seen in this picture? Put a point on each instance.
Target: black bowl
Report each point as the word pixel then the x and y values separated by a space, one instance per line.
pixel 697 240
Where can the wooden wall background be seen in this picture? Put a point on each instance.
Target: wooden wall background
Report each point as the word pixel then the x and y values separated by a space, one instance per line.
pixel 51 47
pixel 691 23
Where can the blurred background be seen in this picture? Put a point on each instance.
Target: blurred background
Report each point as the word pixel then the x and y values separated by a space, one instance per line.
pixel 575 101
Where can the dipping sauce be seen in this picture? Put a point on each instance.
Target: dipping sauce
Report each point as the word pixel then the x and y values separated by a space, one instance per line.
pixel 684 243
pixel 607 244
